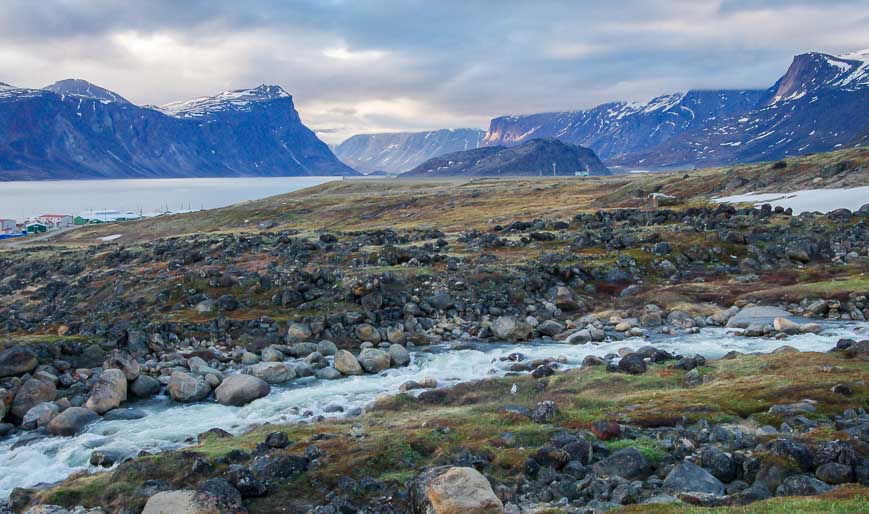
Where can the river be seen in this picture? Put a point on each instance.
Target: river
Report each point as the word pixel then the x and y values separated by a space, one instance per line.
pixel 32 458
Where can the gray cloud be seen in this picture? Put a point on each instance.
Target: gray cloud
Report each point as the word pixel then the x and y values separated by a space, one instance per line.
pixel 413 64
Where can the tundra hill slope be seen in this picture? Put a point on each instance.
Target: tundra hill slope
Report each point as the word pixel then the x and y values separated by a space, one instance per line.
pixel 457 204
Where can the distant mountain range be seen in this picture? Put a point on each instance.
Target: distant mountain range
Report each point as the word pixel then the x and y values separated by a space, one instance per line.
pixel 820 104
pixel 537 157
pixel 73 129
pixel 395 152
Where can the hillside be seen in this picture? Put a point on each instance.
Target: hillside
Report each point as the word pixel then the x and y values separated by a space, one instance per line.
pixel 75 130
pixel 396 152
pixel 538 157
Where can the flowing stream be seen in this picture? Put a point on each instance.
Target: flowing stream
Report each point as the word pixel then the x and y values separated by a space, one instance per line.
pixel 33 458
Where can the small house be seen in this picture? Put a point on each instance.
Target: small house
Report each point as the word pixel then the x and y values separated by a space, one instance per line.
pixel 7 225
pixel 37 228
pixel 56 220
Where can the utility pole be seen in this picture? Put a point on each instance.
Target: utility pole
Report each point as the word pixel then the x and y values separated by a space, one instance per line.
pixel 553 169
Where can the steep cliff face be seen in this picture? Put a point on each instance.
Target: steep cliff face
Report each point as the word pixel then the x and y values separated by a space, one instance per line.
pixel 396 152
pixel 76 130
pixel 819 104
pixel 537 157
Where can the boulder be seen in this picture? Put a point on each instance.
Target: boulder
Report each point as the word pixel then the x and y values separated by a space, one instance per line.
pixel 108 392
pixel 454 490
pixel 187 501
pixel 802 485
pixel 71 421
pixel 508 328
pixel 627 463
pixel 327 347
pixel 373 360
pixel 17 361
pixel 395 334
pixel 633 364
pixel 31 393
pixel 238 390
pixel 398 355
pixel 298 333
pixel 756 315
pixel 785 325
pixel 691 478
pixel 550 328
pixel 366 332
pixel 835 473
pixel 564 299
pixel 327 374
pixel 39 415
pixel 125 362
pixel 273 372
pixel 184 387
pixel 346 363
pixel 144 386
pixel 272 354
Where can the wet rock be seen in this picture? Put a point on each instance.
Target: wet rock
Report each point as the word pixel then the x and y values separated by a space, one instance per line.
pixel 145 386
pixel 368 333
pixel 108 392
pixel 39 415
pixel 373 360
pixel 454 490
pixel 550 328
pixel 17 361
pixel 398 355
pixel 71 421
pixel 327 374
pixel 508 328
pixel 238 390
pixel 327 348
pixel 184 387
pixel 627 463
pixel 273 372
pixel 298 333
pixel 688 477
pixel 633 364
pixel 346 363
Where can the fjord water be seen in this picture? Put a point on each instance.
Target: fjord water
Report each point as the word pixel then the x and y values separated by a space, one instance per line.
pixel 18 200
pixel 27 462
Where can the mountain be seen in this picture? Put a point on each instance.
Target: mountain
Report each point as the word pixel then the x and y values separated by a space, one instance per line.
pixel 83 88
pixel 400 151
pixel 74 130
pixel 819 104
pixel 532 158
pixel 620 128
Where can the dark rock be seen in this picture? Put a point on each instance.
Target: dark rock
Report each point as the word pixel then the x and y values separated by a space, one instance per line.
pixel 802 485
pixel 688 477
pixel 633 364
pixel 627 463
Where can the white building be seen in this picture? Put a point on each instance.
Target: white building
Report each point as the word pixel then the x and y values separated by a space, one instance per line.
pixel 8 226
pixel 53 221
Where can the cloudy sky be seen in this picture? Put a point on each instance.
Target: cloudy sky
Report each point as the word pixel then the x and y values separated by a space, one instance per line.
pixel 378 65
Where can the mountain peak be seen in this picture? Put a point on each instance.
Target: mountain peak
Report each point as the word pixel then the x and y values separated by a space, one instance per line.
pixel 235 100
pixel 83 88
pixel 813 71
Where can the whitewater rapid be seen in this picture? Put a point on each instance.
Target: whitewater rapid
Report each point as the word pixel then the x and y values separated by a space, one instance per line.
pixel 30 459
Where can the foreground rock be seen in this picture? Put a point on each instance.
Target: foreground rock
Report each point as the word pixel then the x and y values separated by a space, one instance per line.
pixel 17 361
pixel 454 490
pixel 108 392
pixel 346 363
pixel 71 421
pixel 184 387
pixel 238 390
pixel 187 501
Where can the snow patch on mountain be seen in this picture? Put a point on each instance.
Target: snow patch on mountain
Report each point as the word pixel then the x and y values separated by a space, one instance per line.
pixel 237 100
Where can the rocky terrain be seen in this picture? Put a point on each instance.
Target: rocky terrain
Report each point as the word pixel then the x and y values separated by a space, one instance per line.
pixel 820 104
pixel 396 152
pixel 537 157
pixel 75 130
pixel 600 331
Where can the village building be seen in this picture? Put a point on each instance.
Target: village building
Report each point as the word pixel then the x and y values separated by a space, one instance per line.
pixel 7 225
pixel 37 228
pixel 103 216
pixel 53 221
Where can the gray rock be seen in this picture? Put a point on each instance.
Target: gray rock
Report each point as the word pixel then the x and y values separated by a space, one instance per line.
pixel 835 473
pixel 71 421
pixel 238 390
pixel 627 463
pixel 346 363
pixel 756 315
pixel 39 415
pixel 184 387
pixel 17 361
pixel 108 392
pixel 125 362
pixel 273 372
pixel 398 355
pixel 31 393
pixel 366 332
pixel 373 360
pixel 145 386
pixel 688 477
pixel 327 374
pixel 550 328
pixel 272 354
pixel 802 485
pixel 298 333
pixel 327 347
pixel 508 328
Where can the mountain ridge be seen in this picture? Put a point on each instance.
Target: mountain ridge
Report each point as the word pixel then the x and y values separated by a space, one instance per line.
pixel 396 152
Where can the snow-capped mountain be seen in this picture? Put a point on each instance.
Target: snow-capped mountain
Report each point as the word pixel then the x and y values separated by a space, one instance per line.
pixel 819 104
pixel 74 129
pixel 396 152
pixel 83 88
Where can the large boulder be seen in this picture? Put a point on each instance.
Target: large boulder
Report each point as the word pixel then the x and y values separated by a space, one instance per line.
pixel 144 386
pixel 374 360
pixel 346 363
pixel 633 363
pixel 124 362
pixel 564 299
pixel 627 463
pixel 366 332
pixel 17 361
pixel 298 333
pixel 108 392
pixel 273 372
pixel 802 485
pixel 184 387
pixel 454 490
pixel 71 421
pixel 508 328
pixel 31 393
pixel 785 325
pixel 399 355
pixel 240 390
pixel 39 415
pixel 188 501
pixel 756 315
pixel 691 478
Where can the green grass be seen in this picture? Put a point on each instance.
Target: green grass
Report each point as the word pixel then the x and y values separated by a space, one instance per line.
pixel 650 448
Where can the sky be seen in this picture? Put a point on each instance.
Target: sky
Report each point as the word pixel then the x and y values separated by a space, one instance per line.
pixel 378 65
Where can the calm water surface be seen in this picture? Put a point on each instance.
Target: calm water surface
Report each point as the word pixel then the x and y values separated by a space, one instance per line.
pixel 19 200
